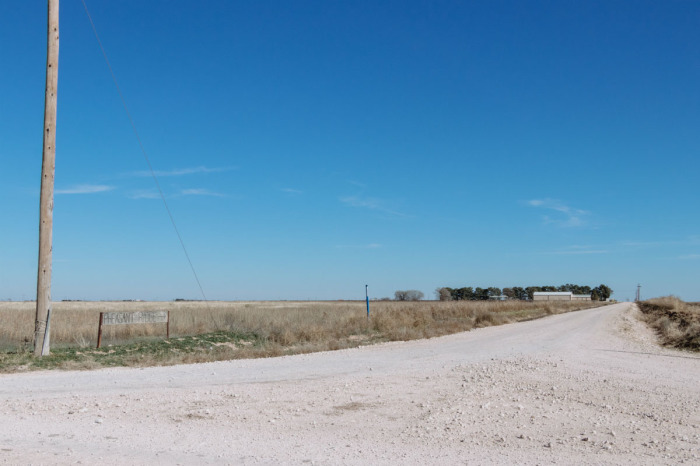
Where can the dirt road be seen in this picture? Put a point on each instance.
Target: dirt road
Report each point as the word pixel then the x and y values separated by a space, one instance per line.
pixel 587 387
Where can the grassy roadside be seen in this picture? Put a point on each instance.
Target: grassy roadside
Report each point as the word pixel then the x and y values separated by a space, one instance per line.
pixel 202 332
pixel 676 322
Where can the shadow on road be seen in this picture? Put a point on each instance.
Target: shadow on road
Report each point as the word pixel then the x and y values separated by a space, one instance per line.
pixel 650 354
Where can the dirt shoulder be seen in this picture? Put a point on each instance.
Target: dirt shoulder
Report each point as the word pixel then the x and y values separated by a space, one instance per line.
pixel 586 387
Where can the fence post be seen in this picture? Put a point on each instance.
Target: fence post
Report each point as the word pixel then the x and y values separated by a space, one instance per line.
pixel 99 329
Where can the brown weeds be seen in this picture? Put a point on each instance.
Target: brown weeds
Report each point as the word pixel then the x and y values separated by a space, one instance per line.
pixel 677 322
pixel 278 328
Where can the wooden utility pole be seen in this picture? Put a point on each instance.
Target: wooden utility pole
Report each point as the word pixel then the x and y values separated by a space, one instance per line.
pixel 43 285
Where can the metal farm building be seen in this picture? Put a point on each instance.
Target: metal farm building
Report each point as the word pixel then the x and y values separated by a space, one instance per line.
pixel 559 296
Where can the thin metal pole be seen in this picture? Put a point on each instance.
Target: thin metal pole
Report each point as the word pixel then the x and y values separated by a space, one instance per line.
pixel 367 298
pixel 42 343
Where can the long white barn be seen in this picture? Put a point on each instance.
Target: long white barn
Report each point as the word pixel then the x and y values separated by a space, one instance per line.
pixel 559 296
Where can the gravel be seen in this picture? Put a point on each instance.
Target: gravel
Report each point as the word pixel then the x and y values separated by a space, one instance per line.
pixel 588 387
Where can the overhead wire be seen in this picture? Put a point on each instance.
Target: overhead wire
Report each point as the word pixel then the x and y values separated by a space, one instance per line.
pixel 145 155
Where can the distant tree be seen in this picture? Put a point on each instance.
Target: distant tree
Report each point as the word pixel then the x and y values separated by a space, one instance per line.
pixel 603 291
pixel 519 293
pixel 575 289
pixel 444 294
pixel 481 294
pixel 531 290
pixel 594 295
pixel 468 293
pixel 463 294
pixel 493 292
pixel 408 295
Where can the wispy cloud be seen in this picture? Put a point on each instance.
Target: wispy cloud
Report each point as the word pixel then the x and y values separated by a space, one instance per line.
pixel 625 247
pixel 672 246
pixel 183 171
pixel 371 204
pixel 577 249
pixel 359 184
pixel 144 194
pixel 153 194
pixel 356 201
pixel 689 240
pixel 291 191
pixel 566 216
pixel 580 251
pixel 360 246
pixel 644 244
pixel 200 192
pixel 85 189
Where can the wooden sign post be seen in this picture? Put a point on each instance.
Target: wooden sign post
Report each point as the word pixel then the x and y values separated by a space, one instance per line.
pixel 126 318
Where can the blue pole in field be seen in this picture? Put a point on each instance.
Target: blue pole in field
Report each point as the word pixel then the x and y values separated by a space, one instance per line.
pixel 367 298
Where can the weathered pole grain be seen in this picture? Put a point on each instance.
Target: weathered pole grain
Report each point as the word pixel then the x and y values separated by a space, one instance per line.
pixel 43 286
pixel 99 330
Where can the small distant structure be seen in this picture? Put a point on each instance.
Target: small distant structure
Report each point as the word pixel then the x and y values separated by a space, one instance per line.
pixel 559 296
pixel 498 298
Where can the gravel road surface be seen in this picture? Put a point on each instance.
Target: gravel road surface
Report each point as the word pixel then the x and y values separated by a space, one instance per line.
pixel 587 387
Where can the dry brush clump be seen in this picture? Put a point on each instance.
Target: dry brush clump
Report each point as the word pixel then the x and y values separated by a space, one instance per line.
pixel 408 321
pixel 676 322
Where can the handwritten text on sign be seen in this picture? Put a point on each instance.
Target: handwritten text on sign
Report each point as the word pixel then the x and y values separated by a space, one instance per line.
pixel 118 318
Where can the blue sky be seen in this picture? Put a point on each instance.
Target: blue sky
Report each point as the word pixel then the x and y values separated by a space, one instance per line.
pixel 309 148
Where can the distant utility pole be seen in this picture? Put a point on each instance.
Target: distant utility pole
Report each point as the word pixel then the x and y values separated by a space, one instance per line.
pixel 367 299
pixel 639 295
pixel 43 285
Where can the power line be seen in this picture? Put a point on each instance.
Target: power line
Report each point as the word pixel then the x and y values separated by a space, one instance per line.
pixel 143 151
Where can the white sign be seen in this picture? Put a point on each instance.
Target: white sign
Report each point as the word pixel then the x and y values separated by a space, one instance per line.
pixel 119 318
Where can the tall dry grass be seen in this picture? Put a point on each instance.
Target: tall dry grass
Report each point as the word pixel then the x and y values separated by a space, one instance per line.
pixel 677 322
pixel 312 326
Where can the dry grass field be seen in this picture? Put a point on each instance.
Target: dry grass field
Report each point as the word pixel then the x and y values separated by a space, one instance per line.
pixel 676 322
pixel 216 330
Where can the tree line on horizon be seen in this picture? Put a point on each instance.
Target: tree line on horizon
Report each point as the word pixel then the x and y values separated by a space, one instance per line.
pixel 408 295
pixel 599 293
